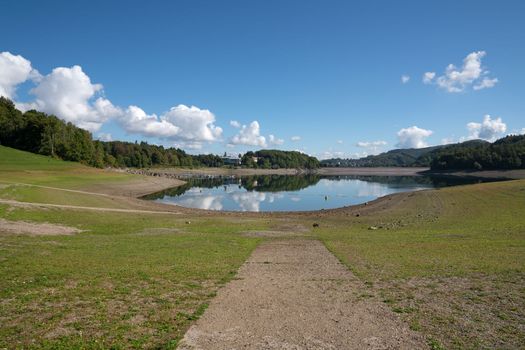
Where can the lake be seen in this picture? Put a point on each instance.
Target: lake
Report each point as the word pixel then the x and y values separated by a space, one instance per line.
pixel 294 192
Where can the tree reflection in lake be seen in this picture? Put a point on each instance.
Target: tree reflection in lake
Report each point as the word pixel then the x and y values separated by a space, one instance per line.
pixel 293 193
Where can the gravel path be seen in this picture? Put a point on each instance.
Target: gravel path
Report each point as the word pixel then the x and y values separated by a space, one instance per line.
pixel 294 294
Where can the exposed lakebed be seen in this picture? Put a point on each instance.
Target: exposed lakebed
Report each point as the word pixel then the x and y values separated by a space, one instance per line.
pixel 294 192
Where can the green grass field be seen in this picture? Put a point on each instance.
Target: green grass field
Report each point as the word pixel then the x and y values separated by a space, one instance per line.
pixel 127 281
pixel 124 282
pixel 451 262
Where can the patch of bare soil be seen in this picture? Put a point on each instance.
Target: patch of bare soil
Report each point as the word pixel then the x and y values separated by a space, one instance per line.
pixel 35 229
pixel 294 294
pixel 136 188
pixel 65 206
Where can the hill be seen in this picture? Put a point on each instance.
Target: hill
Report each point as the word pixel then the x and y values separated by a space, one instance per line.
pixel 505 153
pixel 394 158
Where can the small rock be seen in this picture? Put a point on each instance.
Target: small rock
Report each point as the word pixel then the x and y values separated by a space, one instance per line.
pixel 188 222
pixel 315 224
pixel 373 228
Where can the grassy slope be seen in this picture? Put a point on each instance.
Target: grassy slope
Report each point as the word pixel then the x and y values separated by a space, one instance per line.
pixel 451 261
pixel 123 283
pixel 19 167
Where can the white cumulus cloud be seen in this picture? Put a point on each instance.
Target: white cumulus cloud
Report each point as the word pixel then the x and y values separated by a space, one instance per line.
pixel 371 147
pixel 235 124
pixel 413 137
pixel 195 124
pixel 68 94
pixel 295 138
pixel 249 135
pixel 485 83
pixel 405 79
pixel 428 77
pixel 458 79
pixel 14 70
pixel 188 126
pixel 136 121
pixel 272 140
pixel 489 129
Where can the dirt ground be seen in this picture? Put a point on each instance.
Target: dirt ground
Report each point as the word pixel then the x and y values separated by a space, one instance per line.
pixel 137 188
pixel 294 294
pixel 35 229
pixel 64 206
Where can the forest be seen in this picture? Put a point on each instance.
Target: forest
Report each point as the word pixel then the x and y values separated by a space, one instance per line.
pixel 277 159
pixel 505 153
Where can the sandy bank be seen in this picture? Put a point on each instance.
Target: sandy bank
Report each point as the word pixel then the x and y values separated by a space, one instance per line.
pixel 183 172
pixel 384 171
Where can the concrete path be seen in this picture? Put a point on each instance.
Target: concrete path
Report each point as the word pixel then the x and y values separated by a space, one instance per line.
pixel 294 294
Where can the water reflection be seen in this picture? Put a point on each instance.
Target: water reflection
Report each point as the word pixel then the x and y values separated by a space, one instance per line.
pixel 292 193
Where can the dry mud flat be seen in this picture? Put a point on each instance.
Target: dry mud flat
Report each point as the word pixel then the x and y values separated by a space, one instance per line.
pixel 294 294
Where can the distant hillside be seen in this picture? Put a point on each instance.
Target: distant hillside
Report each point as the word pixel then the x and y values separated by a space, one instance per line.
pixel 394 158
pixel 505 153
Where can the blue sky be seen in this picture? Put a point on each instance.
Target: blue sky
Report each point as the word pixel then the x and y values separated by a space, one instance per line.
pixel 326 71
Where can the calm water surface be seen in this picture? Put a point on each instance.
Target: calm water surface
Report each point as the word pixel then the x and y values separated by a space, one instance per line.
pixel 293 193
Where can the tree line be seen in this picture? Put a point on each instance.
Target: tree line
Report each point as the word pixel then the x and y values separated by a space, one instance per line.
pixel 38 132
pixel 276 159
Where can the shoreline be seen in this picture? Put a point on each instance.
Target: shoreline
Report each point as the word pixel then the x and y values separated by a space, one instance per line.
pixel 513 174
pixel 188 172
pixel 178 173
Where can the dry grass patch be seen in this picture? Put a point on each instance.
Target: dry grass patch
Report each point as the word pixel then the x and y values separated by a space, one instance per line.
pixel 478 311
